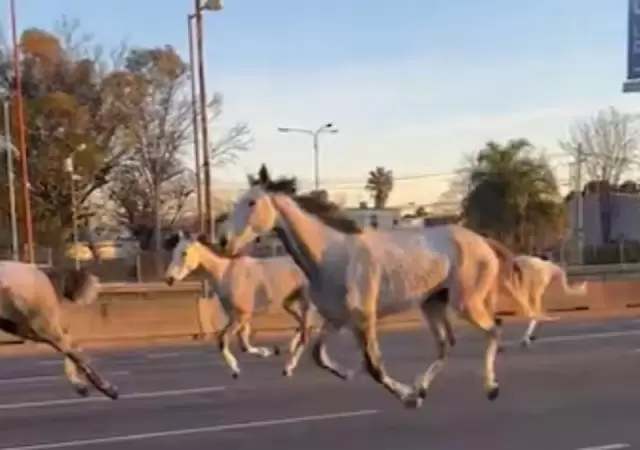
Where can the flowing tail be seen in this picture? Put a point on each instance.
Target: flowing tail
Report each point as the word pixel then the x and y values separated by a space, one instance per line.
pixel 516 279
pixel 568 289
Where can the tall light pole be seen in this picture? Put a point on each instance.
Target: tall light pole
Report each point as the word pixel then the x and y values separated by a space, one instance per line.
pixel 28 222
pixel 209 222
pixel 207 5
pixel 9 150
pixel 194 123
pixel 326 128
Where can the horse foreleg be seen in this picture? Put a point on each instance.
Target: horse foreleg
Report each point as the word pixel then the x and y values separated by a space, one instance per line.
pixel 367 338
pixel 229 330
pixel 301 317
pixel 245 342
pixel 61 342
pixel 319 354
pixel 534 324
pixel 434 311
pixel 71 371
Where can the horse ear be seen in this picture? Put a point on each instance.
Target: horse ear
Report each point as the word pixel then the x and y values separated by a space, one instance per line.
pixel 203 239
pixel 263 175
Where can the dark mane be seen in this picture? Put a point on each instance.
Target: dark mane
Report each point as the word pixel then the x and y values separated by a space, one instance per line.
pixel 328 212
pixel 70 283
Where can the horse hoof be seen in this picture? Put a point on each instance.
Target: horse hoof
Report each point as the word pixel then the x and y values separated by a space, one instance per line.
pixel 422 393
pixel 413 402
pixel 111 392
pixel 493 393
pixel 533 338
pixel 235 375
pixel 82 391
pixel 348 375
pixel 276 350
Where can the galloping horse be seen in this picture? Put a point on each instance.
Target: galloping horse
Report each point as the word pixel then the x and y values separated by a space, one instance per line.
pixel 358 276
pixel 242 285
pixel 538 276
pixel 30 309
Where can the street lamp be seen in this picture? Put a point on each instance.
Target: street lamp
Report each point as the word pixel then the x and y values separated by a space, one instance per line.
pixel 206 5
pixel 209 223
pixel 326 128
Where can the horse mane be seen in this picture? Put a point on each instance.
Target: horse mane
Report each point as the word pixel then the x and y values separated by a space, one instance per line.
pixel 172 241
pixel 328 212
pixel 73 284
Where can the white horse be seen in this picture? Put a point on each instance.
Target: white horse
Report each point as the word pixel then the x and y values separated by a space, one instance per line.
pixel 357 276
pixel 539 274
pixel 243 286
pixel 30 309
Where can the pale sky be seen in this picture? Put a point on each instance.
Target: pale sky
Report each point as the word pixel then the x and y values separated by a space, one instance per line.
pixel 412 85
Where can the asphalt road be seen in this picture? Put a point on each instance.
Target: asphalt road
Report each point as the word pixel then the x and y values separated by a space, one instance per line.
pixel 578 388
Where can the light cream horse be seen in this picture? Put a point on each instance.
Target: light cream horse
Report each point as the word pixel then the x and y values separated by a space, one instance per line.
pixel 539 275
pixel 245 285
pixel 359 276
pixel 30 309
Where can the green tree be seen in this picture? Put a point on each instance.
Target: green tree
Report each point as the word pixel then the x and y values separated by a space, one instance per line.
pixel 380 185
pixel 72 109
pixel 513 195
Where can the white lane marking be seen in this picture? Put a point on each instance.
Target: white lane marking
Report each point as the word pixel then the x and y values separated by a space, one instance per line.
pixel 187 431
pixel 135 395
pixel 582 337
pixel 5 381
pixel 606 447
pixel 165 355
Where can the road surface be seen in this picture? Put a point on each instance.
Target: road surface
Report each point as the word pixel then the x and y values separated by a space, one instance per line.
pixel 578 388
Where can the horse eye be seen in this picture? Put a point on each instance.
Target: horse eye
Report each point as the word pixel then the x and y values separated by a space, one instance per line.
pixel 252 203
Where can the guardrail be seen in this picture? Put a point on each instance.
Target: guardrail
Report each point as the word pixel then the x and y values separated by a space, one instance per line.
pixel 144 311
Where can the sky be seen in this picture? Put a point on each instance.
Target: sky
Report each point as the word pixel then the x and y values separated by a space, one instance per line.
pixel 412 85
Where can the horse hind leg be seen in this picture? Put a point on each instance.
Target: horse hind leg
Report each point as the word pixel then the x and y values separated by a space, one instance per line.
pixel 231 328
pixel 245 342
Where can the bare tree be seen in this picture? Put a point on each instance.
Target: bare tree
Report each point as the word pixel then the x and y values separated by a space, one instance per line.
pixel 609 144
pixel 151 189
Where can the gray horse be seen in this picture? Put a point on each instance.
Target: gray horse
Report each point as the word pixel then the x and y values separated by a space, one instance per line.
pixel 30 309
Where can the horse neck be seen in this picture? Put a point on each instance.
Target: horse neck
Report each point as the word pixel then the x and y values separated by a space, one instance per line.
pixel 213 263
pixel 305 238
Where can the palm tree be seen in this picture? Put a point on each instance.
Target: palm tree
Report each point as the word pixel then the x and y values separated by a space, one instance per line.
pixel 380 185
pixel 512 195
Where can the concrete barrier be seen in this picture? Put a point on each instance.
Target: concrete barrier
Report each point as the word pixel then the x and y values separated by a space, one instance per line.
pixel 148 311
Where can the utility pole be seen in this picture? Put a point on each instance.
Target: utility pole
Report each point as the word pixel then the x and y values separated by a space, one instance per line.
pixel 579 228
pixel 9 153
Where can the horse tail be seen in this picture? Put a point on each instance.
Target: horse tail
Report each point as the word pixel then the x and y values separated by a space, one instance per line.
pixel 508 263
pixel 561 275
pixel 516 278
